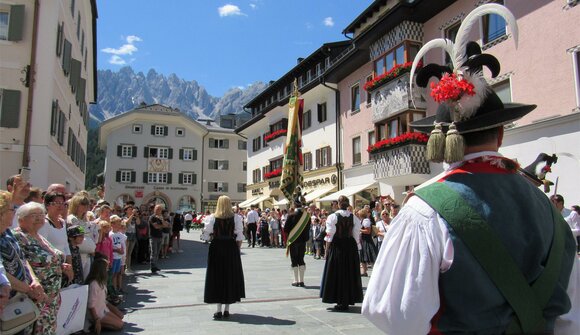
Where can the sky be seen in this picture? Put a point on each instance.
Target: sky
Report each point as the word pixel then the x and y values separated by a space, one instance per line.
pixel 219 44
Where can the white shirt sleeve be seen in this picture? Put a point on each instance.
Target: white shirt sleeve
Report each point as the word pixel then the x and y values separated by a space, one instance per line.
pixel 574 222
pixel 207 227
pixel 356 231
pixel 330 227
pixel 402 295
pixel 238 228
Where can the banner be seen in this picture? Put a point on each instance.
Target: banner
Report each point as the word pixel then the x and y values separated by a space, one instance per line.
pixel 292 166
pixel 73 307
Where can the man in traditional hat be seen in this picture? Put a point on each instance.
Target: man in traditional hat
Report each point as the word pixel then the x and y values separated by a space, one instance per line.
pixel 479 250
pixel 297 228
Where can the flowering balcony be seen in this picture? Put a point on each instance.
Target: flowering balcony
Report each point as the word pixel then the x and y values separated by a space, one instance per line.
pixel 391 94
pixel 275 134
pixel 273 174
pixel 401 160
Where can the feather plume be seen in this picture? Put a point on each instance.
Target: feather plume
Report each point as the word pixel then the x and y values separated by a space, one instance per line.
pixel 443 43
pixel 462 37
pixel 469 104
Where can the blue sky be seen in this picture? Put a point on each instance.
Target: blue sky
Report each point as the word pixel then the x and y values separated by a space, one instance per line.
pixel 219 44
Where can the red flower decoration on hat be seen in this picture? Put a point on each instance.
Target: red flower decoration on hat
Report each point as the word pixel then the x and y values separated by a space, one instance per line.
pixel 451 88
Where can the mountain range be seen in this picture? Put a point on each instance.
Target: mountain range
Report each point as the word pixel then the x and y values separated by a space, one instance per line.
pixel 122 91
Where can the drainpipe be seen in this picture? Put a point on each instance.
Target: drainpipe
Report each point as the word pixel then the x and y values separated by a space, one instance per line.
pixel 202 168
pixel 338 142
pixel 30 75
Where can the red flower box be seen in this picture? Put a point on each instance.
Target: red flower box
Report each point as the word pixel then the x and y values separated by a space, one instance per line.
pixel 393 73
pixel 407 138
pixel 275 134
pixel 273 174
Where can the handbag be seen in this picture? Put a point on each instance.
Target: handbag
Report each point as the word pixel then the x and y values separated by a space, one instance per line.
pixel 20 313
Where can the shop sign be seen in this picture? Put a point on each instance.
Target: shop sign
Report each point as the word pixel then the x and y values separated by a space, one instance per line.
pixel 258 191
pixel 328 180
pixel 138 193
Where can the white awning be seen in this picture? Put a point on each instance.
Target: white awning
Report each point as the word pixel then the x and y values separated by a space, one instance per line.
pixel 282 202
pixel 314 195
pixel 348 191
pixel 253 201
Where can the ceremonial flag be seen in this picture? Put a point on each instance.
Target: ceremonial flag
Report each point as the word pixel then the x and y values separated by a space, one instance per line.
pixel 292 166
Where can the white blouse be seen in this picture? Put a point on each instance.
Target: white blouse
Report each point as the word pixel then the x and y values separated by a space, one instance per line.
pixel 208 228
pixel 331 226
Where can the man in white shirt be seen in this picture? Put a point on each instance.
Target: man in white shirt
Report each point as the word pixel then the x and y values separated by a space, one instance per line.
pixel 252 221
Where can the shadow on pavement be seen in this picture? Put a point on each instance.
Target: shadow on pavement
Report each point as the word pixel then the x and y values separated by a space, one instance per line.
pixel 257 320
pixel 351 310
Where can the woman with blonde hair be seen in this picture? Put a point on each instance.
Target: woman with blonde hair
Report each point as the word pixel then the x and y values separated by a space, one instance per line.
pixel 224 279
pixel 78 207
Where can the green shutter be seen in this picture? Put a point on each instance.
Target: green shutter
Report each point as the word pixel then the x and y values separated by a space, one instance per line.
pixel 10 109
pixel 194 181
pixel 118 176
pixel 59 37
pixel 226 165
pixel 66 57
pixel 75 72
pixel 146 152
pixel 152 129
pixel 119 150
pixel 180 178
pixel 165 131
pixel 145 175
pixel 81 90
pixel 134 151
pixel 194 154
pixel 15 22
pixel 170 153
pixel 211 143
pixel 54 118
pixel 133 176
pixel 226 144
pixel 169 174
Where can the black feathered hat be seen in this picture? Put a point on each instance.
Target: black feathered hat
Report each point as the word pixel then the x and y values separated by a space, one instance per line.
pixel 466 101
pixel 299 199
pixel 537 171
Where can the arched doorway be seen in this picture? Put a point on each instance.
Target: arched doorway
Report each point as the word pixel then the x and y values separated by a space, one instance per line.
pixel 157 198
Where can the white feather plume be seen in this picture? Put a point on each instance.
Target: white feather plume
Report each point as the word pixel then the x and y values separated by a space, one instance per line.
pixel 468 104
pixel 462 37
pixel 443 43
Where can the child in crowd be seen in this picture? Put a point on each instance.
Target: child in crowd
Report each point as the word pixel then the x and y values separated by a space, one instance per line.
pixel 124 258
pixel 104 243
pixel 103 314
pixel 76 235
pixel 119 240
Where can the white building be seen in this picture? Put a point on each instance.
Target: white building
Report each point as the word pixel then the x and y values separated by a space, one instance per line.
pixel 155 154
pixel 47 80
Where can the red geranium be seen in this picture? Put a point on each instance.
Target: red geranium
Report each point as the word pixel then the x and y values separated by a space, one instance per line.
pixel 451 88
pixel 273 174
pixel 393 73
pixel 401 139
pixel 275 134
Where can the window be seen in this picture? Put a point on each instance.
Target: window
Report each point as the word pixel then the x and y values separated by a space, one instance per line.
pixel 321 108
pixel 308 161
pixel 282 124
pixel 393 128
pixel 493 25
pixel 503 91
pixel 158 178
pixel 256 144
pixel 79 26
pixel 402 53
pixel 355 98
pixel 276 164
pixel 180 132
pixel 241 187
pixel 127 151
pixel 219 143
pixel 356 152
pixel 125 176
pixel 9 108
pixel 306 120
pixel 188 154
pixel 159 130
pixel 61 127
pixel 577 75
pixel 450 34
pixel 256 176
pixel 188 178
pixel 59 37
pixel 397 125
pixel 218 165
pixel 11 22
pixel 82 40
pixel 244 166
pixel 217 187
pixel 72 8
pixel 242 145
pixel 265 170
pixel 323 157
pixel 369 95
pixel 159 152
pixel 137 129
pixel 372 138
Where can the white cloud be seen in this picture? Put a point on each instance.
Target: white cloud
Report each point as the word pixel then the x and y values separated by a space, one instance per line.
pixel 124 50
pixel 253 6
pixel 329 22
pixel 116 60
pixel 230 10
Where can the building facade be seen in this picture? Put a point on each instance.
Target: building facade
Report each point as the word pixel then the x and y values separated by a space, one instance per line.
pixel 155 154
pixel 47 80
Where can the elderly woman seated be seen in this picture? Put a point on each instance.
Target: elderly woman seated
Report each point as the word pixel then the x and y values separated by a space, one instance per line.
pixel 18 271
pixel 47 262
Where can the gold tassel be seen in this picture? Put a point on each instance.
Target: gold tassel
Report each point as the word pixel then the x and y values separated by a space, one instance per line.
pixel 436 145
pixel 454 145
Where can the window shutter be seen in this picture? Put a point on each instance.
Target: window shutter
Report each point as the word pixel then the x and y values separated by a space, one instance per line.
pixel 211 143
pixel 226 165
pixel 319 110
pixel 194 154
pixel 169 177
pixel 329 156
pixel 317 158
pixel 165 131
pixel 145 175
pixel 59 38
pixel 181 154
pixel 118 176
pixel 134 151
pixel 61 122
pixel 133 176
pixel 226 144
pixel 54 118
pixel 10 116
pixel 75 72
pixel 66 57
pixel 170 153
pixel 81 90
pixel 180 178
pixel 146 152
pixel 119 150
pixel 153 129
pixel 209 164
pixel 225 187
pixel 194 179
pixel 15 22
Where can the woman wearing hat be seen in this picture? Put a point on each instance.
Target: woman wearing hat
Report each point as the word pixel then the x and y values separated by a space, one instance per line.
pixel 224 278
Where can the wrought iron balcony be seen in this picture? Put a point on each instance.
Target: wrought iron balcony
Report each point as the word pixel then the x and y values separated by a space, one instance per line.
pixel 394 97
pixel 401 165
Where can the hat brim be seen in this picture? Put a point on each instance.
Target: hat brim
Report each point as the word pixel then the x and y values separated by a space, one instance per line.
pixel 511 112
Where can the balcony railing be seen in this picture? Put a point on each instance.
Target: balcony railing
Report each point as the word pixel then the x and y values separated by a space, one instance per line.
pixel 394 97
pixel 401 165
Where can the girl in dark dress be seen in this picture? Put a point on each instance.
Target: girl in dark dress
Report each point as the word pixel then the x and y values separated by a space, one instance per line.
pixel 224 279
pixel 341 282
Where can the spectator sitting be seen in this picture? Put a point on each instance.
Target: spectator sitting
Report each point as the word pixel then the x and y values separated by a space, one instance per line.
pixel 103 314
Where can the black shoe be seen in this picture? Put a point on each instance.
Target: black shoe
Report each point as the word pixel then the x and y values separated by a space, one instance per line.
pixel 341 308
pixel 155 269
pixel 295 284
pixel 217 315
pixel 301 284
pixel 226 314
